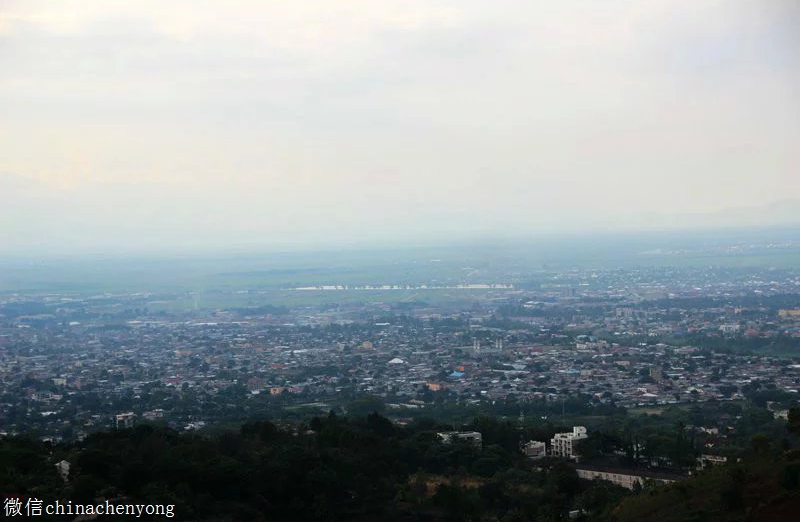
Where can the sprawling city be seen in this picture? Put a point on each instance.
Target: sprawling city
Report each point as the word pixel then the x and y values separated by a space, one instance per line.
pixel 635 338
pixel 641 372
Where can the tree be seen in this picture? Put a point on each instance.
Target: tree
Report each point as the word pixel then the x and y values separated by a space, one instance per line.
pixel 794 421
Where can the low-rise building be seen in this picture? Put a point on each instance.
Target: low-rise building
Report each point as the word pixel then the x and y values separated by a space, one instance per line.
pixel 473 436
pixel 627 478
pixel 705 461
pixel 124 420
pixel 534 449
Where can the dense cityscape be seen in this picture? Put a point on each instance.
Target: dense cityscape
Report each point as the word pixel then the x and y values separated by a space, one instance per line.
pixel 632 338
pixel 645 373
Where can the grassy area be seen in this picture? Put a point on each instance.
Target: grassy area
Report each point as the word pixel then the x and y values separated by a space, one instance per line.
pixel 646 411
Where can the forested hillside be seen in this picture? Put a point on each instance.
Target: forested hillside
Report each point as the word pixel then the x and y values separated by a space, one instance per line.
pixel 367 468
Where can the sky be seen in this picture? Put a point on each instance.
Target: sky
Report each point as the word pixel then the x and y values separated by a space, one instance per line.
pixel 148 125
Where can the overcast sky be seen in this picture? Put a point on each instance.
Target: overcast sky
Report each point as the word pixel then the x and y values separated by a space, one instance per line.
pixel 129 125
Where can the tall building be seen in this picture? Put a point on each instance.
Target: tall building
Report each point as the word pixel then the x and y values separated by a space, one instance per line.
pixel 563 444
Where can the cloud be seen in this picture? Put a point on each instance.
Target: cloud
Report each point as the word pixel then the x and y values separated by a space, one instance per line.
pixel 312 120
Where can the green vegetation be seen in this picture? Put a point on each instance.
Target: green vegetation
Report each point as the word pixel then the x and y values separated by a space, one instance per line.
pixel 762 488
pixel 332 468
pixel 367 468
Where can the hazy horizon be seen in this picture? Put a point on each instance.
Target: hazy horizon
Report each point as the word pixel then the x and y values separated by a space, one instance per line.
pixel 147 127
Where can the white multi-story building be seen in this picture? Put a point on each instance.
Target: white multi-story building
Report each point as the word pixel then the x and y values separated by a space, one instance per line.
pixel 563 444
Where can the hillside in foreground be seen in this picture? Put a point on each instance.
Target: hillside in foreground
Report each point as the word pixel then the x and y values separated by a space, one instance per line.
pixel 764 488
pixel 366 468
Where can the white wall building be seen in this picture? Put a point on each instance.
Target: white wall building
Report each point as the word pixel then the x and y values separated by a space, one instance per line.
pixel 563 444
pixel 624 477
pixel 534 449
pixel 124 420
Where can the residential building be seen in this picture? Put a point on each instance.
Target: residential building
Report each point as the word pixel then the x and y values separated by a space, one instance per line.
pixel 563 444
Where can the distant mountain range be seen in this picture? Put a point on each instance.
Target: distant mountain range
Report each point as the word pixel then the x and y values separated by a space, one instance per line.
pixel 779 213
